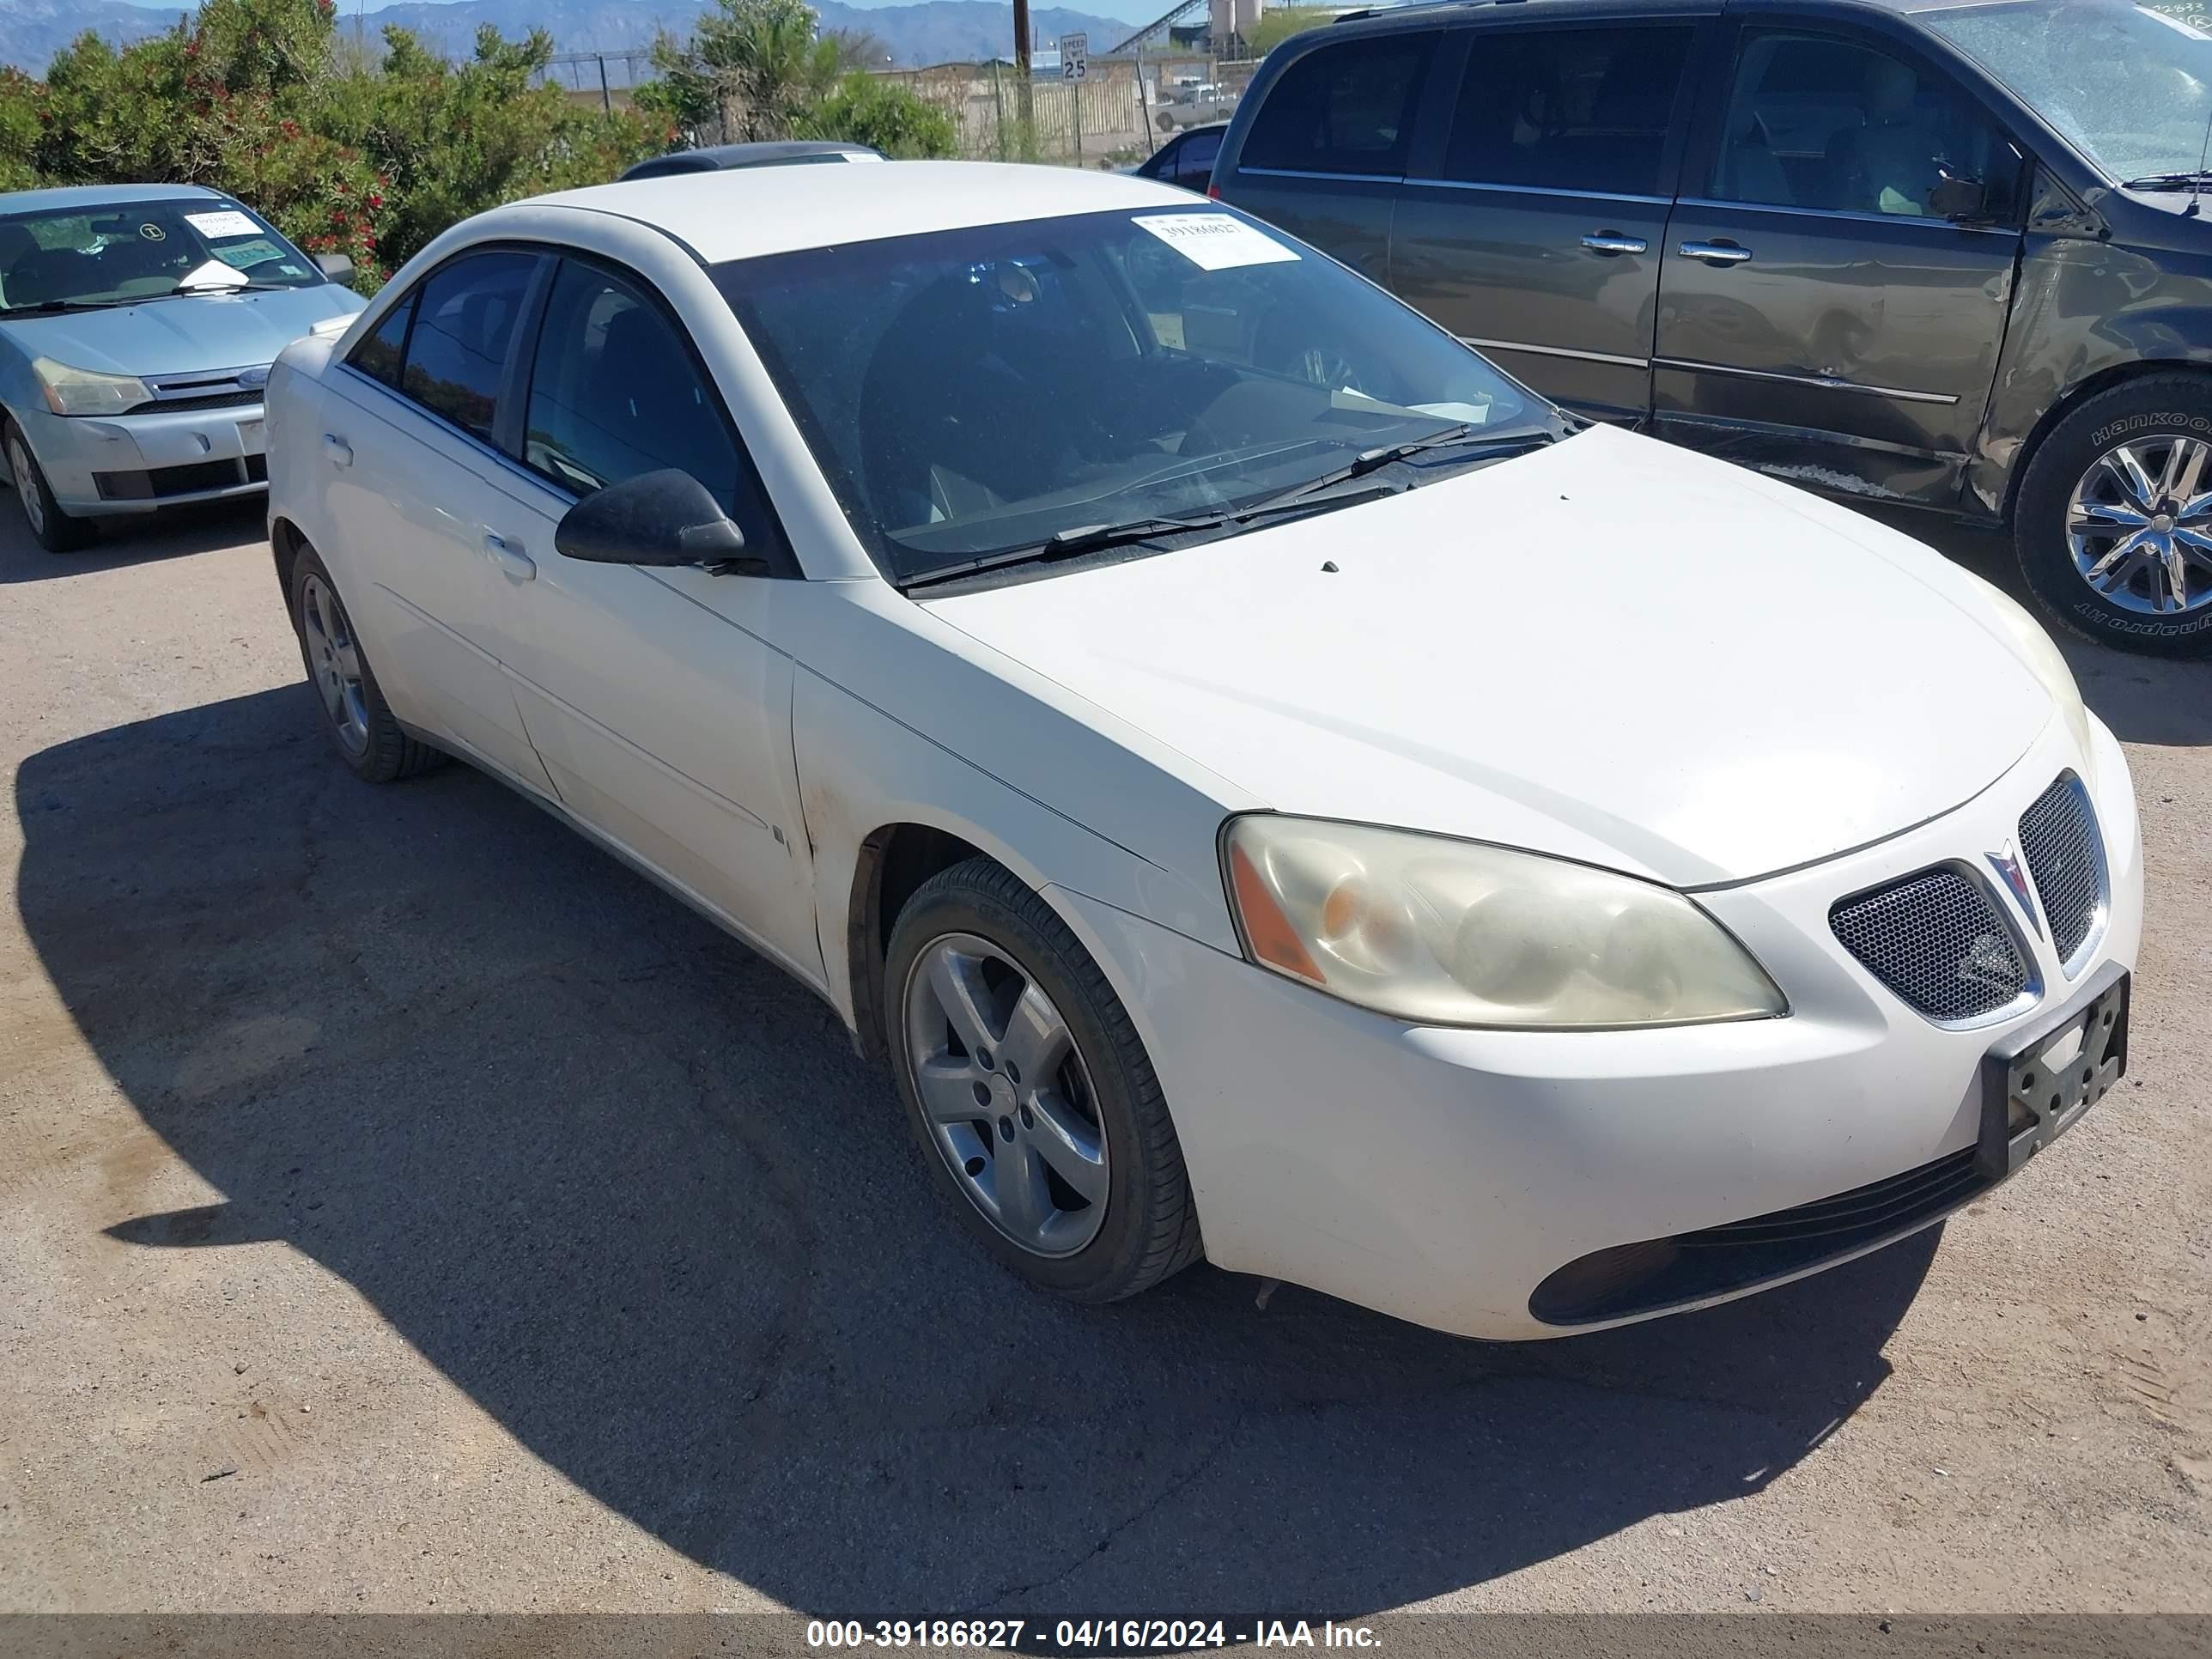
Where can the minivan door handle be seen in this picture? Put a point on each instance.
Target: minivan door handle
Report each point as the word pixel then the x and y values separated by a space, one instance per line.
pixel 513 563
pixel 1716 253
pixel 1612 241
pixel 339 451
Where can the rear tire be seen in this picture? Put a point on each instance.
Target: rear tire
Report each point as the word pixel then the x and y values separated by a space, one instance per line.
pixel 2116 500
pixel 1085 1134
pixel 369 740
pixel 53 529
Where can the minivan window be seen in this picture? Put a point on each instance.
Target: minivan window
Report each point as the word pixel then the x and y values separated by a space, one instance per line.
pixel 1567 109
pixel 464 320
pixel 2130 87
pixel 1347 107
pixel 614 392
pixel 1833 125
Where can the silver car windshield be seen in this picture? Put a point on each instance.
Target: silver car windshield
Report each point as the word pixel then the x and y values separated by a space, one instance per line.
pixel 122 252
pixel 971 391
pixel 2130 87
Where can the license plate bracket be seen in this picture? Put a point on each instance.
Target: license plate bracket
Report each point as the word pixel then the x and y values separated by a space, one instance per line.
pixel 2037 1083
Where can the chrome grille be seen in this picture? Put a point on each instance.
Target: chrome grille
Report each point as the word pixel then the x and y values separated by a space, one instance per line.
pixel 1936 939
pixel 2058 835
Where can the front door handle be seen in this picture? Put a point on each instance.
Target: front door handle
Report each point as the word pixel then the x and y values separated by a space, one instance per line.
pixel 1612 241
pixel 513 563
pixel 1716 253
pixel 339 451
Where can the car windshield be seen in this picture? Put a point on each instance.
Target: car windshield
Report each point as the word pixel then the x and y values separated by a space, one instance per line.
pixel 122 252
pixel 971 393
pixel 2131 87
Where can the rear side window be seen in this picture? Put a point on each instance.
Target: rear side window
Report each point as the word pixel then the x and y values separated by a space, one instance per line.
pixel 1343 108
pixel 465 318
pixel 1567 109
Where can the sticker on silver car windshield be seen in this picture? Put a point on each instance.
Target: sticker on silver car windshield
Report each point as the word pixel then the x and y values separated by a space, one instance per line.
pixel 224 223
pixel 1215 241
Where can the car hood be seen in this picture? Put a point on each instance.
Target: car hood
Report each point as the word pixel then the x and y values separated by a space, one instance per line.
pixel 1610 650
pixel 178 336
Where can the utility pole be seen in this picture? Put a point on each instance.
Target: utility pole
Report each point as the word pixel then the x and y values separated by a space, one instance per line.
pixel 1023 113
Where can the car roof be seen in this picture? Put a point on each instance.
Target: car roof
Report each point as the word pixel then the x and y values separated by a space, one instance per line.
pixel 752 211
pixel 767 153
pixel 93 195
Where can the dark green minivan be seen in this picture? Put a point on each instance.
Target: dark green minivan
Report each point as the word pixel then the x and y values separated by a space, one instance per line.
pixel 1947 255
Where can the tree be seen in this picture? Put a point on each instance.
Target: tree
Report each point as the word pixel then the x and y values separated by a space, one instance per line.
pixel 865 109
pixel 1279 24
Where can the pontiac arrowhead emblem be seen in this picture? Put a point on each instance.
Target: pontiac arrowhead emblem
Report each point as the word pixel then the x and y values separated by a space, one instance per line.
pixel 2007 864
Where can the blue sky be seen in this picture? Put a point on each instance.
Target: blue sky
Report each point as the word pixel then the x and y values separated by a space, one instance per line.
pixel 1136 11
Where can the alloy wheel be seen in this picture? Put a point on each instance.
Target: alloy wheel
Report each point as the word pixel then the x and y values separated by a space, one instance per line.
pixel 26 478
pixel 334 657
pixel 2140 526
pixel 1006 1094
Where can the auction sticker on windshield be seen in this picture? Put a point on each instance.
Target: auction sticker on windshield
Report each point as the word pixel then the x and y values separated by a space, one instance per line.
pixel 226 223
pixel 1216 241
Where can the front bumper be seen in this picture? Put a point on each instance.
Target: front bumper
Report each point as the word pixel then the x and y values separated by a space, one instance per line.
pixel 100 466
pixel 1443 1176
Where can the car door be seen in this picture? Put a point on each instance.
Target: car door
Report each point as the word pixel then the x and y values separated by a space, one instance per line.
pixel 656 697
pixel 1818 314
pixel 1326 150
pixel 1535 233
pixel 407 428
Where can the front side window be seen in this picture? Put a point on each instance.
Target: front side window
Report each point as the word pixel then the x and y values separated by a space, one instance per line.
pixel 1835 126
pixel 615 393
pixel 1342 108
pixel 465 318
pixel 971 392
pixel 132 253
pixel 382 354
pixel 2129 86
pixel 1567 109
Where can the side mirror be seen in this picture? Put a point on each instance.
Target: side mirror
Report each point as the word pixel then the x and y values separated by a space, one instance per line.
pixel 1954 198
pixel 335 266
pixel 664 518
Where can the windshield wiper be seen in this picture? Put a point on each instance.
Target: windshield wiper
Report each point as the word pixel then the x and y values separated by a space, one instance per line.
pixel 1374 461
pixel 47 307
pixel 1092 537
pixel 2197 180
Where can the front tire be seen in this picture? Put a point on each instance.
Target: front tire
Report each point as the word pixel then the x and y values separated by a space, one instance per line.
pixel 1031 1097
pixel 53 529
pixel 2114 519
pixel 360 724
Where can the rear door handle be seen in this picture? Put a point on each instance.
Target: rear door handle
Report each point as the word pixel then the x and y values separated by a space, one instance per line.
pixel 513 563
pixel 1612 241
pixel 338 449
pixel 1716 253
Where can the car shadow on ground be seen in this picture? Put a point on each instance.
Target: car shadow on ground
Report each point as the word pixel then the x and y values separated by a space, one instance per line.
pixel 173 533
pixel 2157 699
pixel 628 1186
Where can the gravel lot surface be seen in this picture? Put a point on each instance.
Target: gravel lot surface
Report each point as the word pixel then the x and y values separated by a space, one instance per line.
pixel 406 1207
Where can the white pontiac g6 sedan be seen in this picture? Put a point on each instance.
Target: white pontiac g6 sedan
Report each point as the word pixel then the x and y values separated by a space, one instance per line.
pixel 1274 789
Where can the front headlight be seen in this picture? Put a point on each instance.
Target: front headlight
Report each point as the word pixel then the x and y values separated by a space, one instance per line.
pixel 1454 932
pixel 87 391
pixel 2043 659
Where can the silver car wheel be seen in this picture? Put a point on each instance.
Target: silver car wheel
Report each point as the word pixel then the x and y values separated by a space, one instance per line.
pixel 1006 1094
pixel 25 475
pixel 334 658
pixel 2140 526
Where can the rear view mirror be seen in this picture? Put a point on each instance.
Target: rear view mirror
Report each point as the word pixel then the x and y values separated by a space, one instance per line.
pixel 1959 198
pixel 664 518
pixel 337 267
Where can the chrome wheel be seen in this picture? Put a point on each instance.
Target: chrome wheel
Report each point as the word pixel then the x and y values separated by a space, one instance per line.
pixel 2140 526
pixel 334 659
pixel 1006 1094
pixel 25 475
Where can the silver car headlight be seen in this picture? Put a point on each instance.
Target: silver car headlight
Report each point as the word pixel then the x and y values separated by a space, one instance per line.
pixel 2041 657
pixel 87 390
pixel 1455 932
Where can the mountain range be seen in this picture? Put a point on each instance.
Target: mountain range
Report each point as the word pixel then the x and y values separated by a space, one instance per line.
pixel 928 31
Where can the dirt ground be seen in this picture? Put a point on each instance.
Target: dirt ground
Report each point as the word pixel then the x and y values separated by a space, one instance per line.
pixel 406 1207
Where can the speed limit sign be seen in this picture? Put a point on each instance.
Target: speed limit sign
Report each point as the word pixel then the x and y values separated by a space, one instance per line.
pixel 1074 57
